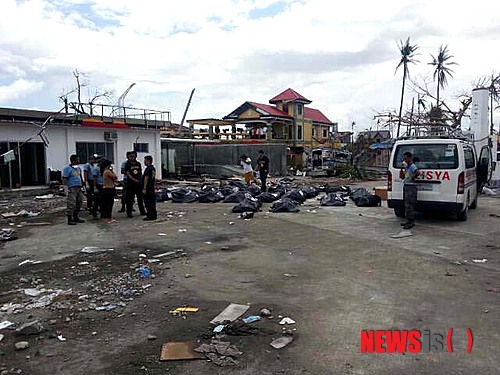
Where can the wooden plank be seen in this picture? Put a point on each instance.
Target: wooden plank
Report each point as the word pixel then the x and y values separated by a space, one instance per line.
pixel 174 351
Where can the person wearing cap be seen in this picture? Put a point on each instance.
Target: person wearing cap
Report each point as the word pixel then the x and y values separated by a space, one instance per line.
pixel 133 170
pixel 73 184
pixel 88 178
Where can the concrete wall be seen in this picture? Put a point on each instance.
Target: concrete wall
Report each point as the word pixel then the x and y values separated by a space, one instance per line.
pixel 62 142
pixel 188 157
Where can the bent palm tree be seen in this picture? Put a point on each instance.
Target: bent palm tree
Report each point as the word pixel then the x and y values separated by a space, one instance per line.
pixel 442 71
pixel 407 57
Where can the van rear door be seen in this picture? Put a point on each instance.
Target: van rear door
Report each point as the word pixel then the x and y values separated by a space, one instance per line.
pixel 438 165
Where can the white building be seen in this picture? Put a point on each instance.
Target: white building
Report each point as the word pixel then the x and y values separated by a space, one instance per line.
pixel 38 153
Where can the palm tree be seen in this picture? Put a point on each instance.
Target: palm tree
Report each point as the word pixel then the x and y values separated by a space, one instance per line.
pixel 407 57
pixel 442 71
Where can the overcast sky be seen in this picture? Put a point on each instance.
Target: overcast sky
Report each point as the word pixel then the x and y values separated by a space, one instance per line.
pixel 340 54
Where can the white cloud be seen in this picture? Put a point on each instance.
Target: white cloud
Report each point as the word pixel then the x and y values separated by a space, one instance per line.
pixel 340 55
pixel 18 90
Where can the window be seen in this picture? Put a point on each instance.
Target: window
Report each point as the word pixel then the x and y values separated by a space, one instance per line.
pixel 144 147
pixel 299 132
pixel 470 161
pixel 85 149
pixel 429 156
pixel 299 109
pixel 325 133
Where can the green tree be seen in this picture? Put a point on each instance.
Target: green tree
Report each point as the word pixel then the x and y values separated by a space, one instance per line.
pixel 441 62
pixel 408 53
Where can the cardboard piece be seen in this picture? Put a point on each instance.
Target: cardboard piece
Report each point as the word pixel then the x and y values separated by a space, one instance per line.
pixel 231 313
pixel 184 309
pixel 173 351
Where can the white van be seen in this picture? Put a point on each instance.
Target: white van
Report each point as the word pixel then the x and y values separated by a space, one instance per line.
pixel 449 179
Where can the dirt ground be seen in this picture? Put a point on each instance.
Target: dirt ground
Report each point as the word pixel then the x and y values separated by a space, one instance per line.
pixel 334 270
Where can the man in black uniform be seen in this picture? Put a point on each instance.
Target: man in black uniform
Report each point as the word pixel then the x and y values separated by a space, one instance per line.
pixel 263 168
pixel 148 188
pixel 133 171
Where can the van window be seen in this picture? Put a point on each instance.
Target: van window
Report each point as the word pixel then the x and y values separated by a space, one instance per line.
pixel 429 156
pixel 470 161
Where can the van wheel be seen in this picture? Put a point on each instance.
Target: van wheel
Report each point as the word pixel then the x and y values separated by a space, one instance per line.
pixel 399 211
pixel 474 203
pixel 462 215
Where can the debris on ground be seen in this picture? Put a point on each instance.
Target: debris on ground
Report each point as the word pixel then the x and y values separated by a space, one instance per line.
pixel 281 342
pixel 240 328
pixel 151 337
pixel 221 353
pixel 484 260
pixel 246 215
pixel 251 319
pixel 6 324
pixel 46 196
pixel 230 313
pixel 402 234
pixel 172 351
pixel 265 312
pixel 29 261
pixel 22 213
pixel 28 329
pixel 94 250
pixel 7 234
pixel 287 320
pixel 21 345
pixel 183 310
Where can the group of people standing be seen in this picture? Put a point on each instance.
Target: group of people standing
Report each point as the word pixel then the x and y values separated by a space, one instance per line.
pixel 262 167
pixel 99 182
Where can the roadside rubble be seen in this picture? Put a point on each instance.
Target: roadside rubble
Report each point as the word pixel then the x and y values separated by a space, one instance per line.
pixel 7 234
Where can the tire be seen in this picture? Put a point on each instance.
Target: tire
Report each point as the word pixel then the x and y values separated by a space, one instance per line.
pixel 473 206
pixel 399 211
pixel 462 215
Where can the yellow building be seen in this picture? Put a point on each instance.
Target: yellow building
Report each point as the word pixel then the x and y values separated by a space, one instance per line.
pixel 285 119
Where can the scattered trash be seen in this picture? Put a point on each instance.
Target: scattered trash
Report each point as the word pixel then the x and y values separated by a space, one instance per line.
pixel 61 338
pixel 486 310
pixel 142 256
pixel 484 260
pixel 251 319
pixel 221 353
pixel 32 292
pixel 185 309
pixel 219 328
pixel 146 286
pixel 208 243
pixel 83 263
pixel 162 234
pixel 6 324
pixel 7 234
pixel 494 215
pixel 29 261
pixel 182 230
pixel 281 342
pixel 231 223
pixel 246 215
pixel 94 250
pixel 287 320
pixel 494 290
pixel 169 253
pixel 46 196
pixel 188 275
pixel 225 248
pixel 145 272
pixel 105 308
pixel 230 313
pixel 172 351
pixel 265 312
pixel 28 329
pixel 402 234
pixel 154 260
pixel 23 213
pixel 1 337
pixel 437 252
pixel 21 345
pixel 151 337
pixel 450 274
pixel 290 275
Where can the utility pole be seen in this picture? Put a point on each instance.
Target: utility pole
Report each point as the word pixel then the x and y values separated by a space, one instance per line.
pixel 185 111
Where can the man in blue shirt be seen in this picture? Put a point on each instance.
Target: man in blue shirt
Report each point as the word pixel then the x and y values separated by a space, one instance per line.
pixel 88 177
pixel 73 183
pixel 408 173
